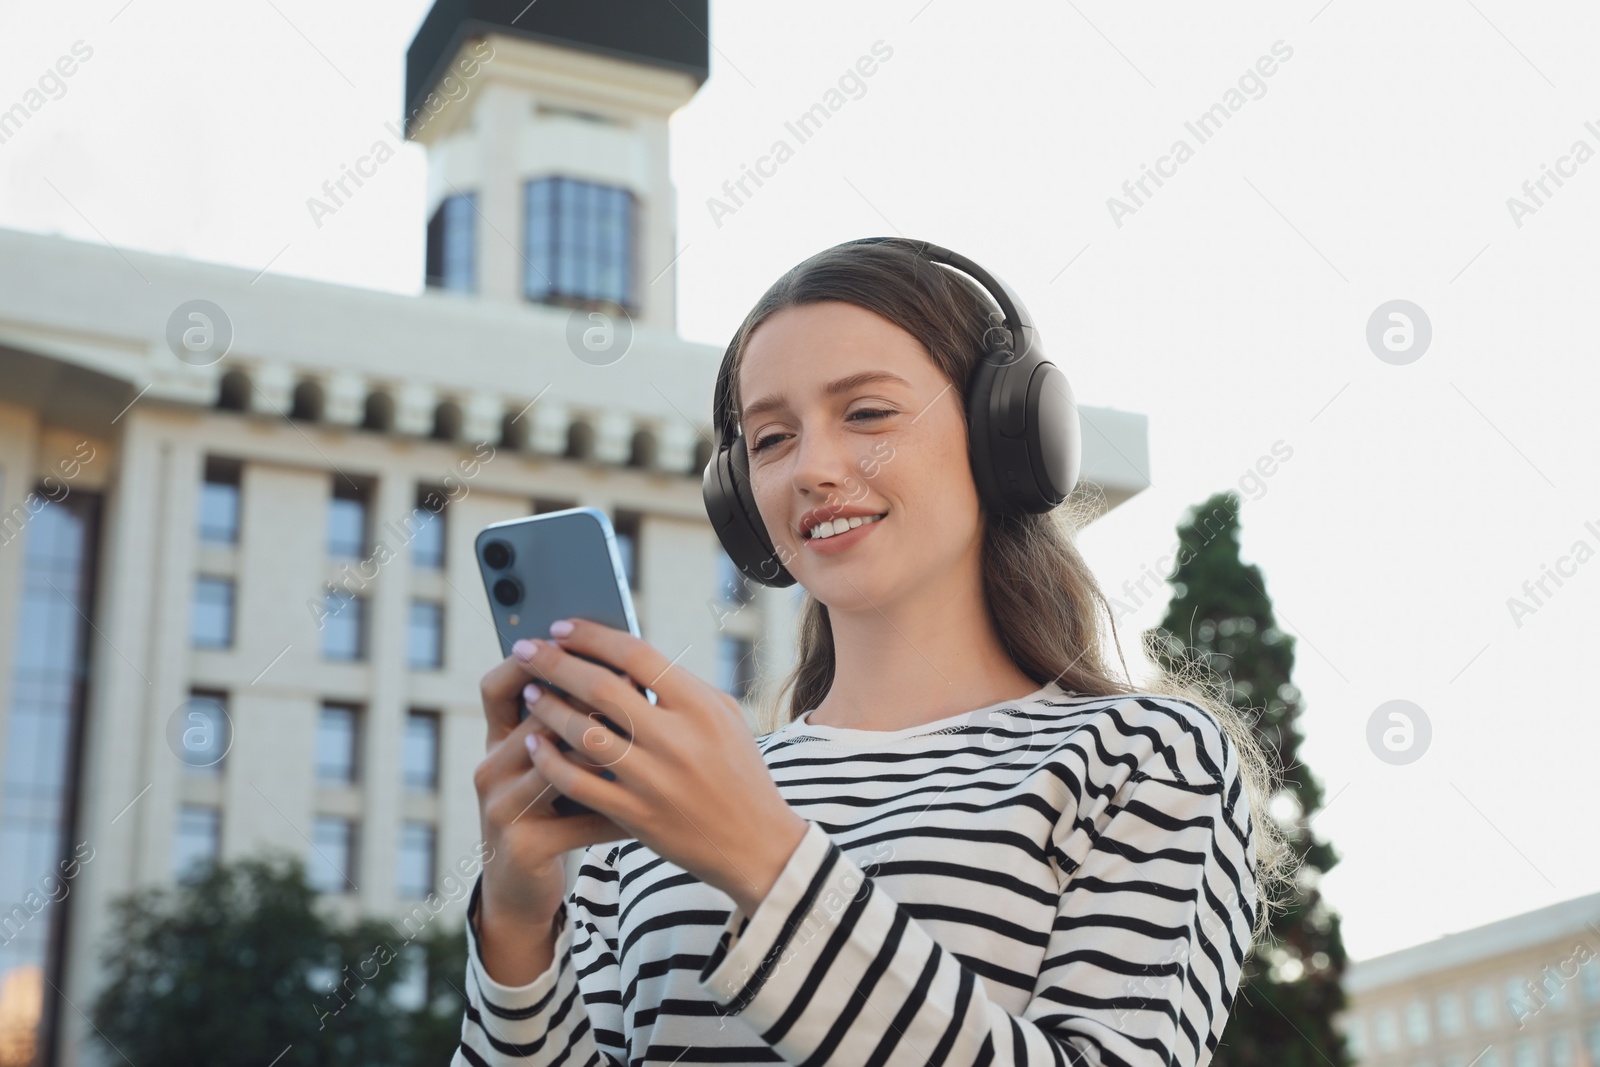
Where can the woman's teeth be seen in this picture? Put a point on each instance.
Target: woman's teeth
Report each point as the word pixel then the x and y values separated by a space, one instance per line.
pixel 840 525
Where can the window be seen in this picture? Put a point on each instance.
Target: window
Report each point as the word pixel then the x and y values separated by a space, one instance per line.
pixel 427 543
pixel 333 855
pixel 452 244
pixel 425 635
pixel 732 585
pixel 1561 1049
pixel 1553 988
pixel 197 842
pixel 420 754
pixel 343 626
pixel 337 740
pixel 545 505
pixel 212 624
pixel 1417 1022
pixel 1593 1041
pixel 416 860
pixel 347 520
pixel 55 593
pixel 626 524
pixel 579 238
pixel 1590 972
pixel 1525 1054
pixel 735 665
pixel 1483 1008
pixel 1355 1036
pixel 1384 1032
pixel 1451 1021
pixel 219 503
pixel 205 733
pixel 1516 998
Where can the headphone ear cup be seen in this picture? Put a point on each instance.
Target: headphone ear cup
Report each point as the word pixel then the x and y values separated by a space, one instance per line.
pixel 736 519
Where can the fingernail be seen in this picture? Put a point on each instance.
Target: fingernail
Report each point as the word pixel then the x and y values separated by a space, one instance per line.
pixel 524 649
pixel 531 693
pixel 532 741
pixel 561 628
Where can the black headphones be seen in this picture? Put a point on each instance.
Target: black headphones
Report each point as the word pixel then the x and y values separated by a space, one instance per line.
pixel 1023 435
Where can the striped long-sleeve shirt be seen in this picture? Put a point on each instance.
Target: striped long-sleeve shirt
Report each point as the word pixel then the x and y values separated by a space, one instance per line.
pixel 1054 880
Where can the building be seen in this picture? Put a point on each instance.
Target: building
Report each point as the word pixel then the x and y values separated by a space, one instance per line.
pixel 1520 992
pixel 239 608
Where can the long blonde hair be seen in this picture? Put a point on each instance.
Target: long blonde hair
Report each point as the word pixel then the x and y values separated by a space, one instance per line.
pixel 1046 605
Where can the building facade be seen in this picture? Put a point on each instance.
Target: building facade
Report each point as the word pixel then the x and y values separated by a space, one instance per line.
pixel 239 606
pixel 1521 992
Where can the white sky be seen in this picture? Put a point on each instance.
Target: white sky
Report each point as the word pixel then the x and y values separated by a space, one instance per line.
pixel 1231 309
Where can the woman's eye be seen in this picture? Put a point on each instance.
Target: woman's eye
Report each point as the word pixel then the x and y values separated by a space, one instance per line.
pixel 874 413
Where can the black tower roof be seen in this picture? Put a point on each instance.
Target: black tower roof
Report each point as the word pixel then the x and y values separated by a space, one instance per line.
pixel 663 33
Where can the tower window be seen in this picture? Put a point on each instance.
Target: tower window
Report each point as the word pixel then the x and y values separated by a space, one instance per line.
pixel 580 238
pixel 452 244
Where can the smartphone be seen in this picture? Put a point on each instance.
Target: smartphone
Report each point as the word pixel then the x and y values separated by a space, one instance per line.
pixel 558 565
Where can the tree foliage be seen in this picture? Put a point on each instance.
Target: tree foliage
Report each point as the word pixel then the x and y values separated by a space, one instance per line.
pixel 238 965
pixel 1221 618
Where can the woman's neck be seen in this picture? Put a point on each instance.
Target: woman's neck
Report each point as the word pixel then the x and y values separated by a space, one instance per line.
pixel 900 666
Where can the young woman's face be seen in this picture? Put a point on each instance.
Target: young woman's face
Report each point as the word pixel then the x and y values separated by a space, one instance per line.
pixel 845 414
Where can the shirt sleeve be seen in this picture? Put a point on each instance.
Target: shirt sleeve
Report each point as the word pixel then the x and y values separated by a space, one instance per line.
pixel 572 1013
pixel 1141 966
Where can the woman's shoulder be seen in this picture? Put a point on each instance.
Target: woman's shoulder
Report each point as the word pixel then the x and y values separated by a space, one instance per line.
pixel 1161 732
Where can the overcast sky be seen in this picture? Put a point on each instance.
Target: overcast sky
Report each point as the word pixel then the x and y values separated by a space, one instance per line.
pixel 1230 305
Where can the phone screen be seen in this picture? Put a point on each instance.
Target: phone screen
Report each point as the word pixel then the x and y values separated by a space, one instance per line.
pixel 559 565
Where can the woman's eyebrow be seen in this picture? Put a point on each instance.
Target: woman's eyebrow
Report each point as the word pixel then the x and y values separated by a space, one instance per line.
pixel 833 388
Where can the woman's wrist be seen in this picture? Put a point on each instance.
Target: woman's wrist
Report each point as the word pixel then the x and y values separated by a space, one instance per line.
pixel 751 888
pixel 515 947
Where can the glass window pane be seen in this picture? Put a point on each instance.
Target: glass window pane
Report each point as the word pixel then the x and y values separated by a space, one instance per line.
pixel 336 745
pixel 1561 1050
pixel 347 527
pixel 198 841
pixel 1483 1007
pixel 219 513
pixel 1591 980
pixel 460 241
pixel 735 665
pixel 1451 1021
pixel 343 626
pixel 416 860
pixel 1385 1032
pixel 206 734
pixel 331 862
pixel 420 756
pixel 212 623
pixel 1417 1022
pixel 425 635
pixel 537 276
pixel 427 539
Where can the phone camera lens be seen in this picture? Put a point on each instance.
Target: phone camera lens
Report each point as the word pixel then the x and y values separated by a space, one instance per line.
pixel 508 591
pixel 497 554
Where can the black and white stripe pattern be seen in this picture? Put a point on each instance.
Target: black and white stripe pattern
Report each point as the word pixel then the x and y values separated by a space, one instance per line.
pixel 1055 880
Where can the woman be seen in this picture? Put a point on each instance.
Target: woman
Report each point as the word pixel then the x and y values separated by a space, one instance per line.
pixel 966 844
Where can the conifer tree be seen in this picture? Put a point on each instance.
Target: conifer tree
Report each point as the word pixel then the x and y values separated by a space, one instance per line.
pixel 1221 618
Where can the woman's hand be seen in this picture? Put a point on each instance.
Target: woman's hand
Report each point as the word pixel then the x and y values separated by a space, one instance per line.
pixel 524 874
pixel 690 784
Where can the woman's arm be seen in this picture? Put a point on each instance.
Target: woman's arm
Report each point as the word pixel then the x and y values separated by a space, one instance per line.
pixel 557 1017
pixel 1142 963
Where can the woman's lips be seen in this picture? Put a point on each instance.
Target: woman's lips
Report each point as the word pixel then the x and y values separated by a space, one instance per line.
pixel 830 546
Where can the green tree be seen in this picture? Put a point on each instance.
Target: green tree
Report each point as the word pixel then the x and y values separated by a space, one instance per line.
pixel 237 966
pixel 1220 618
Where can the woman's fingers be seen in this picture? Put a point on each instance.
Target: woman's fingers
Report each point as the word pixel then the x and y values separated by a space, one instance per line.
pixel 500 689
pixel 585 786
pixel 592 740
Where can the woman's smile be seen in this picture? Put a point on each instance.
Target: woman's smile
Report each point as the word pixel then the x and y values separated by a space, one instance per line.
pixel 833 544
